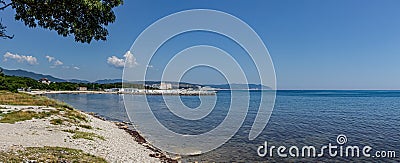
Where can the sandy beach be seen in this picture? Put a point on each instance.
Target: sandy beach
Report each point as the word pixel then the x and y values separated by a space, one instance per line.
pixel 69 92
pixel 112 143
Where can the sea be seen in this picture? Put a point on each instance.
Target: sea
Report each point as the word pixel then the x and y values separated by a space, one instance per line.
pixel 366 121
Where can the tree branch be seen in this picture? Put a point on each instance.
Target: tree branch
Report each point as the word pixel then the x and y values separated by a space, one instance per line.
pixel 5 5
pixel 3 32
pixel 6 36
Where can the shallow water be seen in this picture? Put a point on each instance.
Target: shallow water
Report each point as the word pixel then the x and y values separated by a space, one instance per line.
pixel 300 118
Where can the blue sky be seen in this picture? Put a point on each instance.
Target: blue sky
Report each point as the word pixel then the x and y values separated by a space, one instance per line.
pixel 314 44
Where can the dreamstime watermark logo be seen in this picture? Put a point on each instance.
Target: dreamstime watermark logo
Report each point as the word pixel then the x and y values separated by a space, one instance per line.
pixel 155 36
pixel 331 150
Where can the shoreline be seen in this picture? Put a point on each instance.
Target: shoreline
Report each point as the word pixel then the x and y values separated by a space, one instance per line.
pixel 157 92
pixel 66 92
pixel 128 128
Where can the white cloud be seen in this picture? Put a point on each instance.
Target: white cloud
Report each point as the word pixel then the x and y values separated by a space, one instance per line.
pixel 58 63
pixel 130 59
pixel 21 58
pixel 120 62
pixel 116 62
pixel 76 68
pixel 55 62
pixel 50 58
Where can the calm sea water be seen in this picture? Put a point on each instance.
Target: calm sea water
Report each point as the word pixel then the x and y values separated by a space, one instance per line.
pixel 300 118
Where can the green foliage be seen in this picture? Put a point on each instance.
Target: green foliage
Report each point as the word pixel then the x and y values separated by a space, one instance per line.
pixel 13 83
pixel 67 86
pixel 85 19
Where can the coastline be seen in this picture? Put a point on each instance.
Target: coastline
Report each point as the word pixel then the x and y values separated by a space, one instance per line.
pixel 114 141
pixel 147 92
pixel 67 92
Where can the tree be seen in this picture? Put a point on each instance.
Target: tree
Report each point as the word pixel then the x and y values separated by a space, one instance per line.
pixel 1 72
pixel 85 19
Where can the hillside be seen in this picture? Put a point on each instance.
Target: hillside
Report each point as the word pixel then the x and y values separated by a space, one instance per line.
pixel 36 76
pixel 23 73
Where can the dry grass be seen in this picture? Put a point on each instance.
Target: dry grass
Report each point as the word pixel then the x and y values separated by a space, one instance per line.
pixel 24 115
pixel 67 115
pixel 9 98
pixel 48 154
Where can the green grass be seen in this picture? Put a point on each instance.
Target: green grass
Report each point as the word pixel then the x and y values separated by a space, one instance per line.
pixel 87 135
pixel 70 131
pixel 84 135
pixel 56 121
pixel 86 126
pixel 24 115
pixel 75 116
pixel 49 154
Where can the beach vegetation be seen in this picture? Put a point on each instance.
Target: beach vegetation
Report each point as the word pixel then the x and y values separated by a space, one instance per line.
pixel 48 154
pixel 67 112
pixel 75 117
pixel 57 121
pixel 84 135
pixel 86 126
pixel 11 98
pixel 20 115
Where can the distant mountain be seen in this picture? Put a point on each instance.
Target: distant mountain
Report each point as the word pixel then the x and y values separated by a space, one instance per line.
pixel 239 86
pixel 108 81
pixel 77 81
pixel 32 75
pixel 36 76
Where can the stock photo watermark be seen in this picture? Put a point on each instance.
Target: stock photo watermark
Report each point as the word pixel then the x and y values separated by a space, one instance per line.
pixel 338 149
pixel 157 34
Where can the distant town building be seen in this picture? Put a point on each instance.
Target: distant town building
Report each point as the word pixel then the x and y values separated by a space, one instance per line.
pixel 45 81
pixel 165 86
pixel 128 90
pixel 114 90
pixel 207 88
pixel 82 88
